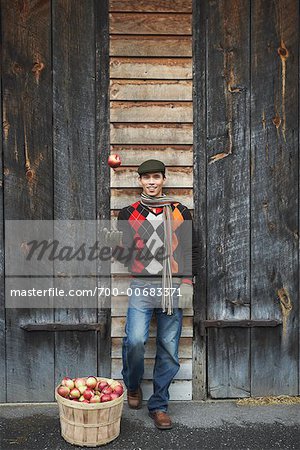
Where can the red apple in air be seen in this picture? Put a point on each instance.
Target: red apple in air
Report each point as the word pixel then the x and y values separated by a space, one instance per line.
pixel 64 391
pixel 91 382
pixel 88 394
pixel 114 161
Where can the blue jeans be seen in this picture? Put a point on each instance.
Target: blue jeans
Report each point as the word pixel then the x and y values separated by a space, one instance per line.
pixel 140 310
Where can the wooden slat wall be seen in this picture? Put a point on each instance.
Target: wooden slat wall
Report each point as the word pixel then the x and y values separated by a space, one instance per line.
pixel 151 116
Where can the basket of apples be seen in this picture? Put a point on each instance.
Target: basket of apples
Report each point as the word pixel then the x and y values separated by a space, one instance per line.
pixel 90 409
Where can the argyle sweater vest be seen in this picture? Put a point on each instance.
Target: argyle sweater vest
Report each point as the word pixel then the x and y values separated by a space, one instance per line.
pixel 142 243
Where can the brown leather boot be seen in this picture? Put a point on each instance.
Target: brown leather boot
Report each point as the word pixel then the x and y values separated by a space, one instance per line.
pixel 135 398
pixel 161 420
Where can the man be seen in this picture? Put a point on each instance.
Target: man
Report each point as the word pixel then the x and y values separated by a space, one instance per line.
pixel 155 223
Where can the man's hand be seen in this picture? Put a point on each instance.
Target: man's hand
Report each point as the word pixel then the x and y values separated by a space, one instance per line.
pixel 111 238
pixel 186 299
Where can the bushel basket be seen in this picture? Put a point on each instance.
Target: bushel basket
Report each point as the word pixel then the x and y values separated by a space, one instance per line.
pixel 90 424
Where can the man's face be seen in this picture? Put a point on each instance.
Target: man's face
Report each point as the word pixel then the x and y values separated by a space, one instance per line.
pixel 152 183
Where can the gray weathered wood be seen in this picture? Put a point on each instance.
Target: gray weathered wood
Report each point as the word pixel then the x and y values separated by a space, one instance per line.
pixel 228 196
pixel 74 159
pixel 2 273
pixel 200 37
pixel 102 169
pixel 179 389
pixel 118 326
pixel 275 196
pixel 184 351
pixel 28 180
pixel 184 373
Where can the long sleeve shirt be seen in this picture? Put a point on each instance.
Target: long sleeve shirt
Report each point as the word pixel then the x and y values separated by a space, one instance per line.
pixel 143 250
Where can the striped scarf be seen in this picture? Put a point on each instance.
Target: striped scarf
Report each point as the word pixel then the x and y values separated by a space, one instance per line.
pixel 165 202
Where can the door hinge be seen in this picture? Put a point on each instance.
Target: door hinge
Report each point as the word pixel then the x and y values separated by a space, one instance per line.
pixel 244 323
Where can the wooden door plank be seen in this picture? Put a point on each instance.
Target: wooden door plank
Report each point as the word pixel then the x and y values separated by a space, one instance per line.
pixel 28 183
pixel 275 197
pixel 151 112
pixel 102 130
pixel 179 389
pixel 123 133
pixel 124 177
pixel 131 45
pixel 3 128
pixel 150 90
pixel 150 23
pixel 184 372
pixel 184 351
pixel 200 105
pixel 151 5
pixel 228 209
pixel 175 155
pixel 121 197
pixel 119 305
pixel 118 326
pixel 74 160
pixel 151 68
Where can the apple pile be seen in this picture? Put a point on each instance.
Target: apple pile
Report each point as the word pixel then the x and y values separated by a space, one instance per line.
pixel 89 390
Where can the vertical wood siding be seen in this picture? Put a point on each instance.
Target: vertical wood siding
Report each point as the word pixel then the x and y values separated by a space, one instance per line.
pixel 28 181
pixel 275 195
pixel 2 273
pixel 151 116
pixel 228 196
pixel 74 160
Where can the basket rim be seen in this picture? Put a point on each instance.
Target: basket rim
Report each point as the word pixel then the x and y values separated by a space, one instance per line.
pixel 89 406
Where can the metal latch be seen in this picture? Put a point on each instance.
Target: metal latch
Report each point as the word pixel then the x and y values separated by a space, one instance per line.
pixel 50 326
pixel 245 323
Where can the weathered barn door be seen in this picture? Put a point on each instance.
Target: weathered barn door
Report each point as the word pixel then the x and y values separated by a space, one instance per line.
pixel 151 115
pixel 54 114
pixel 247 170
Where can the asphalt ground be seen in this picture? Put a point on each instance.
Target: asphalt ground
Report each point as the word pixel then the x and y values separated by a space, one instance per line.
pixel 196 425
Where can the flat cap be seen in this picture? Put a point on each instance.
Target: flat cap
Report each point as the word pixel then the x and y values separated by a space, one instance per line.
pixel 151 165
